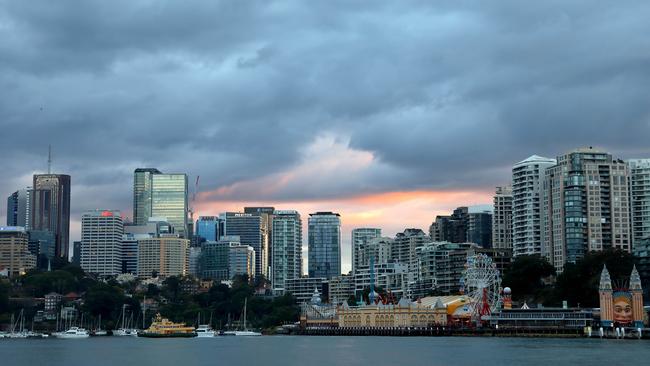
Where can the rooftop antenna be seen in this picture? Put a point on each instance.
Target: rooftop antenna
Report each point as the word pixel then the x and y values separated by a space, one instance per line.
pixel 49 159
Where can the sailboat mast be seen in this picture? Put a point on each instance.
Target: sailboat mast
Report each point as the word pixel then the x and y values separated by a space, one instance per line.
pixel 245 304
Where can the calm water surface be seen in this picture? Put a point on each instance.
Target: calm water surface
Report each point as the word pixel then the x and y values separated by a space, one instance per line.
pixel 326 351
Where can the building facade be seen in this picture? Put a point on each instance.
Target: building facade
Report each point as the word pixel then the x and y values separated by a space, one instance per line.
pixel 404 250
pixel 324 252
pixel 252 232
pixel 19 208
pixel 452 228
pixel 50 208
pixel 165 256
pixel 527 184
pixel 266 213
pixel 169 200
pixel 286 255
pixel 241 261
pixel 15 257
pixel 207 228
pixel 586 206
pixel 142 188
pixel 502 218
pixel 479 229
pixel 101 242
pixel 640 198
pixel 214 262
pixel 361 237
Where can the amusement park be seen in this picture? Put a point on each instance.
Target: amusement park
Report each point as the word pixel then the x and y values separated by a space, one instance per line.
pixel 483 307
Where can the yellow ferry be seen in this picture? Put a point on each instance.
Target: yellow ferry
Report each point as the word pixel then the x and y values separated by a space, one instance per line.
pixel 164 328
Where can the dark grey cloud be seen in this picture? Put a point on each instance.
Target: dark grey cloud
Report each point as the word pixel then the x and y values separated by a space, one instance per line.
pixel 444 95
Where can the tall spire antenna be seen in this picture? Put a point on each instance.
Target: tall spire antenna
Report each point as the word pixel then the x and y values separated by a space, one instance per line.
pixel 49 159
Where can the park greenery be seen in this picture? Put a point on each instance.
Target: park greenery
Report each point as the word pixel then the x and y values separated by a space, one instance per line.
pixel 534 280
pixel 220 304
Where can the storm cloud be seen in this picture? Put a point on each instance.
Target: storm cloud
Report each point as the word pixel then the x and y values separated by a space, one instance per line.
pixel 314 100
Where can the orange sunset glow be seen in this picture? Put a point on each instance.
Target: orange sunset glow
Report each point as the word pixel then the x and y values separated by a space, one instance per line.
pixel 390 211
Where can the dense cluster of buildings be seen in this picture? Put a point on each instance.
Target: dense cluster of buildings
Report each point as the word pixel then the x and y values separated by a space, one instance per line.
pixel 560 208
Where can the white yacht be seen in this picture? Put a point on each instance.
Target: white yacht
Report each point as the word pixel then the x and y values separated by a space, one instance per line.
pixel 244 332
pixel 125 332
pixel 125 329
pixel 73 333
pixel 205 331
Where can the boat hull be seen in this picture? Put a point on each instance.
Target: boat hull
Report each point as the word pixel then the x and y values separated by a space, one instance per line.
pixel 170 335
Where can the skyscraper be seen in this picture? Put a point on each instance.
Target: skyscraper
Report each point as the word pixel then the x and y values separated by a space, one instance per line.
pixel 502 218
pixel 640 198
pixel 207 228
pixel 361 237
pixel 286 262
pixel 586 206
pixel 50 208
pixel 19 208
pixel 169 200
pixel 142 188
pixel 251 231
pixel 156 194
pixel 267 240
pixel 324 253
pixel 101 242
pixel 527 183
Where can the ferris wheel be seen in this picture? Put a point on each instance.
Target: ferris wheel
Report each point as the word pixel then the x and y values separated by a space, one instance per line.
pixel 481 282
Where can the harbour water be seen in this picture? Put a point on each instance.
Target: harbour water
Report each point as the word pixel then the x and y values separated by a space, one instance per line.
pixel 325 351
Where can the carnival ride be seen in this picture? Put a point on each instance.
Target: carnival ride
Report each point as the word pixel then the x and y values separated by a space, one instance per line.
pixel 481 283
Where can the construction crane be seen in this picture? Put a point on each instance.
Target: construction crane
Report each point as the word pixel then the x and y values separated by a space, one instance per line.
pixel 194 193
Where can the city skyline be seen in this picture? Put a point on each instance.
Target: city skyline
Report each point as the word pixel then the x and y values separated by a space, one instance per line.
pixel 402 110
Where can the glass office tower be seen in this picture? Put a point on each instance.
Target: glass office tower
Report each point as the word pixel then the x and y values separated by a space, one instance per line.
pixel 169 200
pixel 324 245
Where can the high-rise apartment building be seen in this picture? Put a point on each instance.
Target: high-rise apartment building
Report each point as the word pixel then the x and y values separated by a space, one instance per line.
pixel 286 255
pixel 586 206
pixel 19 208
pixel 502 218
pixel 251 230
pixel 167 255
pixel 527 184
pixel 142 188
pixel 404 250
pixel 640 198
pixel 101 242
pixel 452 228
pixel 50 208
pixel 479 228
pixel 15 257
pixel 324 251
pixel 361 237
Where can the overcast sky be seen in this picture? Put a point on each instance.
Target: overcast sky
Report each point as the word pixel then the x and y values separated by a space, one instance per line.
pixel 387 112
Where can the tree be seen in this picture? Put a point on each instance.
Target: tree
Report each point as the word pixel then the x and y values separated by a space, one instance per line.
pixel 525 276
pixel 104 299
pixel 4 296
pixel 579 282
